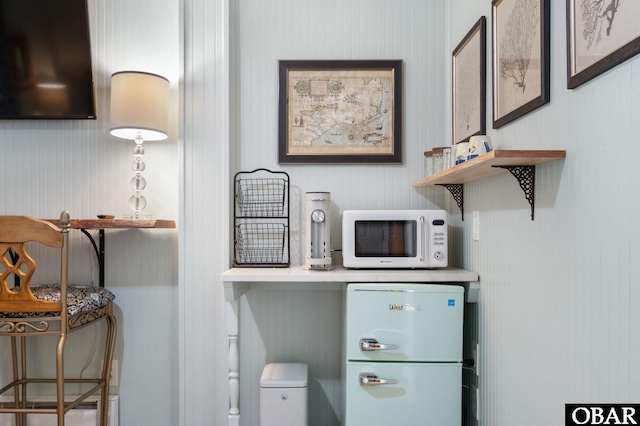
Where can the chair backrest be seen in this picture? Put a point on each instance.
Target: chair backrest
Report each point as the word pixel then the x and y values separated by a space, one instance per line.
pixel 15 262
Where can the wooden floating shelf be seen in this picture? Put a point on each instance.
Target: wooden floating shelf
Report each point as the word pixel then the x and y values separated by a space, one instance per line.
pixel 116 223
pixel 520 163
pixel 483 166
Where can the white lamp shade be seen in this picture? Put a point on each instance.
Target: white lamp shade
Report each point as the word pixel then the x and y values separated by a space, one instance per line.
pixel 139 105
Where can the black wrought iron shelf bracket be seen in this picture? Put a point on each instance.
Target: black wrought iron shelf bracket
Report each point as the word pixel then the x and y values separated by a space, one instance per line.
pixel 457 191
pixel 99 250
pixel 526 176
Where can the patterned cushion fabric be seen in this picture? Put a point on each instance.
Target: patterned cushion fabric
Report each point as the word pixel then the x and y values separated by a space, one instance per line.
pixel 80 298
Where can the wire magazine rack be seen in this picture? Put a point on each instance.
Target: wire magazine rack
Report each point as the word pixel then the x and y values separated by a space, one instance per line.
pixel 261 219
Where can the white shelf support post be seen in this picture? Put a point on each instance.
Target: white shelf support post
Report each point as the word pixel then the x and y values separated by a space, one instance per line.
pixel 232 294
pixel 234 364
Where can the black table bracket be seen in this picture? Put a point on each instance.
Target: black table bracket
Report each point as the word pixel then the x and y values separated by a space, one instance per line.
pixel 99 250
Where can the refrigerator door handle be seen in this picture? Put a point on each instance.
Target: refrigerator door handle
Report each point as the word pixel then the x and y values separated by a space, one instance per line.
pixel 370 379
pixel 373 345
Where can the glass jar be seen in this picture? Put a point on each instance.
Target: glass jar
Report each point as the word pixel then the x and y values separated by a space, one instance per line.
pixel 447 153
pixel 428 163
pixel 437 159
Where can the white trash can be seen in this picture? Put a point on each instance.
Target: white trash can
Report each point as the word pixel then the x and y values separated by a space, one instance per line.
pixel 283 395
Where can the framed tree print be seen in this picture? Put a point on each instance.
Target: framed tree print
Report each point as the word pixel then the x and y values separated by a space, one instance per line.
pixel 346 111
pixel 520 58
pixel 469 84
pixel 600 35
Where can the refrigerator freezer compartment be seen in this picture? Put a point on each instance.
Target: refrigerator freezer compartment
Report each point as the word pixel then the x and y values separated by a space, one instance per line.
pixel 427 394
pixel 404 322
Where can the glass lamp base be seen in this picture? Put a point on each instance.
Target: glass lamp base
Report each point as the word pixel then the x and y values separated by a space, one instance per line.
pixel 144 216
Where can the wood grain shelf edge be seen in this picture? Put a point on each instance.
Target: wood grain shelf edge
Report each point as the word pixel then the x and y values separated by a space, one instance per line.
pixel 482 167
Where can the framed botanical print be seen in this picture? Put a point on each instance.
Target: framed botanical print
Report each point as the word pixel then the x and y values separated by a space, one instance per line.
pixel 469 84
pixel 600 35
pixel 520 58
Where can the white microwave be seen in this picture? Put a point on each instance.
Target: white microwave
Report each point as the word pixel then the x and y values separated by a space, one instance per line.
pixel 394 239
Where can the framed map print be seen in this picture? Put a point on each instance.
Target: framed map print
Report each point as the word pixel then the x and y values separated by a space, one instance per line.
pixel 600 35
pixel 469 84
pixel 345 111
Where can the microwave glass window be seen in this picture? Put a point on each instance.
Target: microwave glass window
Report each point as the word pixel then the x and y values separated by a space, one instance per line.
pixel 386 238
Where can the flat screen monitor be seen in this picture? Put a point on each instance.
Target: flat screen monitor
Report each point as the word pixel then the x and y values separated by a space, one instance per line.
pixel 45 60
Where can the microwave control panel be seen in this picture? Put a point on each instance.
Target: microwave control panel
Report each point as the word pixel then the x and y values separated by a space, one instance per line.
pixel 438 240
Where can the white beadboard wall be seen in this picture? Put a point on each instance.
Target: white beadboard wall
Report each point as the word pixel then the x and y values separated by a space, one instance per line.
pixel 75 165
pixel 354 29
pixel 552 302
pixel 205 211
pixel 558 294
pixel 305 325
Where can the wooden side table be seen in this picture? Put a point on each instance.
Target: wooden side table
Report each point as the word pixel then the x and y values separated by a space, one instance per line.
pixel 84 225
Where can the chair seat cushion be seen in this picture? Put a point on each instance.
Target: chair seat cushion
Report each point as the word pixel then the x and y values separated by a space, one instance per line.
pixel 80 298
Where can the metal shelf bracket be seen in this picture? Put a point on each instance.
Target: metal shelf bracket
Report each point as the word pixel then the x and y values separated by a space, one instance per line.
pixel 457 191
pixel 526 176
pixel 99 250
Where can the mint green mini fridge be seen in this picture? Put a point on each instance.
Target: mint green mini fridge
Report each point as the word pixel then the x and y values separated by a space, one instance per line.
pixel 404 354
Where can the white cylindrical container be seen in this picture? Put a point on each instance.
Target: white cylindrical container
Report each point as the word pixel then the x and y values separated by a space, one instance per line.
pixel 283 395
pixel 317 248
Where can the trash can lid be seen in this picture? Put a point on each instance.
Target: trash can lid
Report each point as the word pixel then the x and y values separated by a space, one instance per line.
pixel 284 375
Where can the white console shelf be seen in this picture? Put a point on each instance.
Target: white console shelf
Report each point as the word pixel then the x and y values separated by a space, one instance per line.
pixel 238 281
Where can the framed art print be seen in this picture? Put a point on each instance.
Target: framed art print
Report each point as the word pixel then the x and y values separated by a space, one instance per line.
pixel 520 58
pixel 469 84
pixel 346 111
pixel 600 35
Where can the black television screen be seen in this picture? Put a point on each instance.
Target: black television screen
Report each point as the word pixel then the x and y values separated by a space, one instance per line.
pixel 45 60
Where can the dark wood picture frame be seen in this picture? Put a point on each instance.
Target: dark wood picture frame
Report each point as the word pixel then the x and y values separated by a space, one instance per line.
pixel 340 111
pixel 469 84
pixel 521 50
pixel 609 33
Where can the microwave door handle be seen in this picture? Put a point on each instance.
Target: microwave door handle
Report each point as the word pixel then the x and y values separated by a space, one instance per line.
pixel 367 345
pixel 423 235
pixel 370 379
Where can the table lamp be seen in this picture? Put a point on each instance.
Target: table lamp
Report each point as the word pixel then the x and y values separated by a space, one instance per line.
pixel 139 111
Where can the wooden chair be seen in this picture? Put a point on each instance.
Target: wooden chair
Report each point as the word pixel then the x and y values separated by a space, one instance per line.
pixel 30 311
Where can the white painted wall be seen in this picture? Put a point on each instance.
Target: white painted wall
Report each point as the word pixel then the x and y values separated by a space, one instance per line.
pixel 557 293
pixel 305 325
pixel 553 303
pixel 205 200
pixel 557 315
pixel 49 166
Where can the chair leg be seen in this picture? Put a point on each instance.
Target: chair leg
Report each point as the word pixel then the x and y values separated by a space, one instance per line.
pixel 17 391
pixel 60 378
pixel 23 357
pixel 19 361
pixel 108 360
